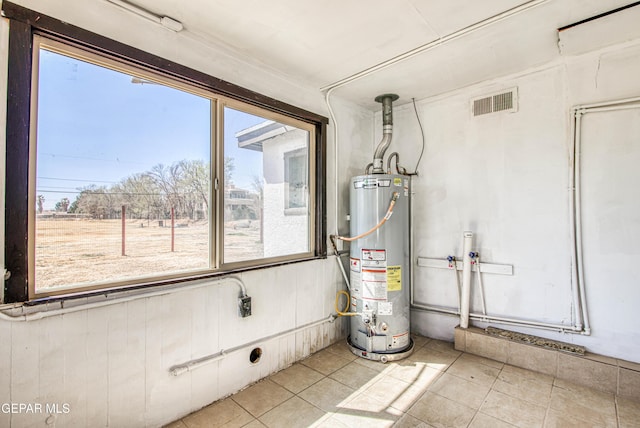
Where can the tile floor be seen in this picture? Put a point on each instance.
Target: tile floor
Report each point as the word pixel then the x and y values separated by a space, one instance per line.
pixel 437 386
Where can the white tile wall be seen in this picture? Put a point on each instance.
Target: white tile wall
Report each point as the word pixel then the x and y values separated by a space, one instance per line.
pixel 111 364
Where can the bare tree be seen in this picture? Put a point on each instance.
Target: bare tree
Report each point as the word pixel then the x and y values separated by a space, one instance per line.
pixel 62 205
pixel 40 202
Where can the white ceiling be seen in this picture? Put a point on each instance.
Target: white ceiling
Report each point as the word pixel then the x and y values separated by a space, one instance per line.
pixel 321 42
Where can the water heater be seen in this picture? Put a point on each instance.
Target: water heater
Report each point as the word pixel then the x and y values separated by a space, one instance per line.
pixel 380 278
pixel 379 268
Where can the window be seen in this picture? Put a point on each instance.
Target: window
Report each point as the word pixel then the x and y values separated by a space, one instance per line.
pixel 122 172
pixel 137 177
pixel 255 226
pixel 296 181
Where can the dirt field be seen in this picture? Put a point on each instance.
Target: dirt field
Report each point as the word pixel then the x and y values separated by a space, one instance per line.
pixel 81 251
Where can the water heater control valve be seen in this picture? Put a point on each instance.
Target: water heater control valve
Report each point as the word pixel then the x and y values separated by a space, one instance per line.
pixel 368 316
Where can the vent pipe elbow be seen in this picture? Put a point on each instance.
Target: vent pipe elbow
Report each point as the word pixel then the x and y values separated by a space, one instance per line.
pixel 387 131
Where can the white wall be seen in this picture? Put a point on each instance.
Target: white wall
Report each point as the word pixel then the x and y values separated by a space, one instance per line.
pixel 506 178
pixel 284 232
pixel 111 364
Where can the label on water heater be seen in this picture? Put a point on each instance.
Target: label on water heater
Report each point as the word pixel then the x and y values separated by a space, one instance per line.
pixel 367 183
pixel 400 340
pixel 372 183
pixel 373 255
pixel 374 284
pixel 354 264
pixel 356 284
pixel 385 308
pixel 394 278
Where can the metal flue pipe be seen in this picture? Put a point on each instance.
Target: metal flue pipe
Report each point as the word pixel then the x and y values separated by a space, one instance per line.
pixel 387 131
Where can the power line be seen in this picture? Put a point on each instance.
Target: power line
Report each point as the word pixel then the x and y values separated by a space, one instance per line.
pixel 75 179
pixel 88 192
pixel 116 160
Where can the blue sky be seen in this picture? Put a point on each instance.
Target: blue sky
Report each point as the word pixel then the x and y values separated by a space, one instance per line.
pixel 97 127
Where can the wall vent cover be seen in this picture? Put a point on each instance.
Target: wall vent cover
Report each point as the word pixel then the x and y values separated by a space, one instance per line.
pixel 506 101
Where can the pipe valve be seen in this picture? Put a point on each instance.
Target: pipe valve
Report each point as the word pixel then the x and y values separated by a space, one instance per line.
pixel 452 261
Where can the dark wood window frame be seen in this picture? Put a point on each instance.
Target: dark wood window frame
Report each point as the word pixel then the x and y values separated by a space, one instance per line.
pixel 24 23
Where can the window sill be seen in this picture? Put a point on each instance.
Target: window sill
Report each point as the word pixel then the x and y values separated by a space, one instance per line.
pixel 296 211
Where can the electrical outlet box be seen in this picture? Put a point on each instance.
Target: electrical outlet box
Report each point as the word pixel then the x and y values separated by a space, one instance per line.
pixel 244 306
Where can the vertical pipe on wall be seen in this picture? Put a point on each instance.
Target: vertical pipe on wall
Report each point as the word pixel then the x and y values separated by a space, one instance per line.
pixel 411 242
pixel 584 320
pixel 575 276
pixel 466 279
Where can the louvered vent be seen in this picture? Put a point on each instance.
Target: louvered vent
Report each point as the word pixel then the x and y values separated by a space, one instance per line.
pixel 503 101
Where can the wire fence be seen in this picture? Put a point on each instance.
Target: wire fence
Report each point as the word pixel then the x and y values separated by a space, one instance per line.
pixel 74 249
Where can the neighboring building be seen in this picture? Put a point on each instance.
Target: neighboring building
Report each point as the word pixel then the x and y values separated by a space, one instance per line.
pixel 285 223
pixel 239 204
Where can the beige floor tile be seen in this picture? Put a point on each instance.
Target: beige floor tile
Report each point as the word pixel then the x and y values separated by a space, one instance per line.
pixel 525 385
pixel 432 358
pixel 365 419
pixel 325 362
pixel 408 421
pixel 297 377
pixel 485 421
pixel 364 403
pixel 474 372
pixel 419 341
pixel 436 387
pixel 441 412
pixel 578 402
pixel 629 385
pixel 409 397
pixel 341 349
pixel 262 397
pixel 375 365
pixel 327 394
pixel 513 410
pixel 387 390
pixel 460 390
pixel 481 360
pixel 556 419
pixel 254 424
pixel 628 413
pixel 225 413
pixel 416 373
pixel 355 375
pixel 176 424
pixel 330 422
pixel 443 346
pixel 294 412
